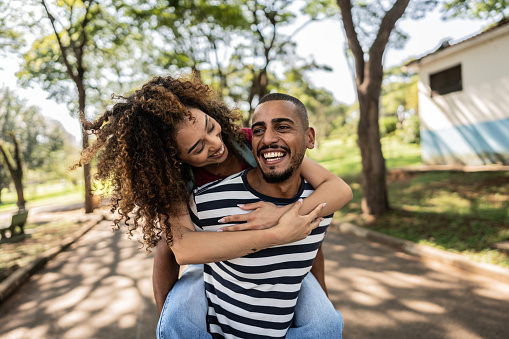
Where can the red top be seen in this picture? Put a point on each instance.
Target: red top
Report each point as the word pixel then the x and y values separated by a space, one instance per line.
pixel 204 177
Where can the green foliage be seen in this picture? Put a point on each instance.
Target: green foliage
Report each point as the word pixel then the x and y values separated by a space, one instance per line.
pixel 480 9
pixel 399 92
pixel 341 155
pixel 410 131
pixel 97 47
pixel 325 114
pixel 388 125
pixel 462 212
pixel 41 141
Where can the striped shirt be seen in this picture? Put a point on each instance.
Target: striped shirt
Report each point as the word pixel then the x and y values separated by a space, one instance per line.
pixel 253 296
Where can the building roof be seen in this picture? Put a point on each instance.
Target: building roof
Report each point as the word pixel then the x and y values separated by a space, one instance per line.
pixel 447 47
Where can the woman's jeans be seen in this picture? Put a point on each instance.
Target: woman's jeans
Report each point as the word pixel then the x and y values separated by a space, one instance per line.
pixel 184 312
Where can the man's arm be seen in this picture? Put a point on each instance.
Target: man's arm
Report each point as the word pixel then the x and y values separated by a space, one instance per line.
pixel 318 269
pixel 165 273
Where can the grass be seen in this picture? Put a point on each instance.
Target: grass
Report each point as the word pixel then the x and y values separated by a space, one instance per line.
pixel 40 236
pixel 43 195
pixel 464 213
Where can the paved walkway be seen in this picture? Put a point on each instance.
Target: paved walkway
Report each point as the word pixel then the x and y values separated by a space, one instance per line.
pixel 101 288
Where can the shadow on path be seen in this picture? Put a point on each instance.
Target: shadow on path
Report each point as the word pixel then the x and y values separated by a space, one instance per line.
pixel 387 294
pixel 100 288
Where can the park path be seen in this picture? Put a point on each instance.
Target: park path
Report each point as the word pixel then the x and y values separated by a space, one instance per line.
pixel 101 288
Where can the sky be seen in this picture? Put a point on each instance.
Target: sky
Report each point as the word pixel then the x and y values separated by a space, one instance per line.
pixel 324 41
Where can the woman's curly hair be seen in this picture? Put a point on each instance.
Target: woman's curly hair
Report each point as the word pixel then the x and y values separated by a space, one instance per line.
pixel 139 156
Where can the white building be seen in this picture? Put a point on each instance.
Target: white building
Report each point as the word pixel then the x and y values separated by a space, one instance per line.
pixel 464 100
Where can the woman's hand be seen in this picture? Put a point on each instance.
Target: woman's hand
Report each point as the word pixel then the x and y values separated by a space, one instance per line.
pixel 264 215
pixel 294 227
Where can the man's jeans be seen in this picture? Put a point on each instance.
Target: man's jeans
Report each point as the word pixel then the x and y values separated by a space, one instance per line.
pixel 185 310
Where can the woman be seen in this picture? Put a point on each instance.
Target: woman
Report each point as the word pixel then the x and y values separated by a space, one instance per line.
pixel 142 162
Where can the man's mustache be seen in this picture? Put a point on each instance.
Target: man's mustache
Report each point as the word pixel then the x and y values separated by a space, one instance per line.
pixel 273 147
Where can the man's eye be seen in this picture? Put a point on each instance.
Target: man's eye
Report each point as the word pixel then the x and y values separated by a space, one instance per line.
pixel 257 131
pixel 283 127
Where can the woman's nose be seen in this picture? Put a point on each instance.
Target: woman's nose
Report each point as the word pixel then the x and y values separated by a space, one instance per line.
pixel 215 141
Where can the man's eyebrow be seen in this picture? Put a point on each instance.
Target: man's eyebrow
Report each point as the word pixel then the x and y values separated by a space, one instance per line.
pixel 280 120
pixel 196 144
pixel 256 124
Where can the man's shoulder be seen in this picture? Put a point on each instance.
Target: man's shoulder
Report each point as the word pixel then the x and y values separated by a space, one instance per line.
pixel 233 182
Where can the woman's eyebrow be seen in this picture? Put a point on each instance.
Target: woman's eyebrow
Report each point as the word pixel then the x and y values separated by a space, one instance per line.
pixel 196 144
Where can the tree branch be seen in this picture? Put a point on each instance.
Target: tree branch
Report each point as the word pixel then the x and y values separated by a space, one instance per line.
pixel 386 26
pixel 353 42
pixel 63 49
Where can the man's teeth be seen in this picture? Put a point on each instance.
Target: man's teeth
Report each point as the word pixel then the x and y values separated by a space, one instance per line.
pixel 272 156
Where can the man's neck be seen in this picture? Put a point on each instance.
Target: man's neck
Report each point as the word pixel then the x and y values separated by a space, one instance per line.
pixel 287 189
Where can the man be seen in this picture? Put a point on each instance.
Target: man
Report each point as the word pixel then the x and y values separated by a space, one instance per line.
pixel 255 295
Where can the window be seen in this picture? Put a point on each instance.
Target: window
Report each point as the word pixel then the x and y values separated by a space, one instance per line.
pixel 446 81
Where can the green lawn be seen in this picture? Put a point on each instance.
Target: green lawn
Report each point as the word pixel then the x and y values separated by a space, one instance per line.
pixel 43 194
pixel 460 212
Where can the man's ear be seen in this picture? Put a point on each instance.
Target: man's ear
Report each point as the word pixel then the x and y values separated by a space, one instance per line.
pixel 310 138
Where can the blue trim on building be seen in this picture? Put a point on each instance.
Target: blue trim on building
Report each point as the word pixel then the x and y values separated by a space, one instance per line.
pixel 476 144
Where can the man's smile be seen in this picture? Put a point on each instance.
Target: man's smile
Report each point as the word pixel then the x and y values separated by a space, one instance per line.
pixel 273 155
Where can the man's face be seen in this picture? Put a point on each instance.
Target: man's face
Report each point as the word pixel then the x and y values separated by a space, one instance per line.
pixel 279 140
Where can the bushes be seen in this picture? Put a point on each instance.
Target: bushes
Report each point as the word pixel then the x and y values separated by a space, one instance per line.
pixel 410 130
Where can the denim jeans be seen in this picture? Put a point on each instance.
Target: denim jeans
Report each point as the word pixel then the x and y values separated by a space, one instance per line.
pixel 185 311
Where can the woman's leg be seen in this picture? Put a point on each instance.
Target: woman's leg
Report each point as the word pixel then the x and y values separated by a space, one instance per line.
pixel 184 313
pixel 315 316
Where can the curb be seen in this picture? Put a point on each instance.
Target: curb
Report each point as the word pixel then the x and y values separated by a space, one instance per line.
pixel 16 279
pixel 427 252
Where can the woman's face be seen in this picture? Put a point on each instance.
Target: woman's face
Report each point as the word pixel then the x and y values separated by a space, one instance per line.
pixel 200 141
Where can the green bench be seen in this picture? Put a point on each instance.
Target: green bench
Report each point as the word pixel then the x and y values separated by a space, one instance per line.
pixel 18 220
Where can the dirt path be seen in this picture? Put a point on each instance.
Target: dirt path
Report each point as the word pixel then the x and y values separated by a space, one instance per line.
pixel 101 288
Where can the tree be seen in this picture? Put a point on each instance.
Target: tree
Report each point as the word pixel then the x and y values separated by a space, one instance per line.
pixel 480 9
pixel 368 27
pixel 81 48
pixel 34 142
pixel 325 114
pixel 193 34
pixel 230 43
pixel 399 93
pixel 267 45
pixel 15 168
pixel 4 179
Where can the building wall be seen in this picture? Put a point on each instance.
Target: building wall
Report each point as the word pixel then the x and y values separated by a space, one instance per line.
pixel 469 126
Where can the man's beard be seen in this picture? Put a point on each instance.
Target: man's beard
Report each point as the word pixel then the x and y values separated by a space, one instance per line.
pixel 276 178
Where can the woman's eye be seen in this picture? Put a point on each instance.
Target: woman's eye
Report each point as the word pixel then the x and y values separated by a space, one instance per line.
pixel 212 127
pixel 201 149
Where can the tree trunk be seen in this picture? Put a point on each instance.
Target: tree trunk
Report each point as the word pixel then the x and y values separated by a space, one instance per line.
pixel 89 206
pixel 374 200
pixel 18 183
pixel 16 172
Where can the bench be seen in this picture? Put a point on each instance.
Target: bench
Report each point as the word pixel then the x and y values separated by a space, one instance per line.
pixel 18 220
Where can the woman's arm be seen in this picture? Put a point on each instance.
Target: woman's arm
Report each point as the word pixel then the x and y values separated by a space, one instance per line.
pixel 164 273
pixel 191 247
pixel 329 188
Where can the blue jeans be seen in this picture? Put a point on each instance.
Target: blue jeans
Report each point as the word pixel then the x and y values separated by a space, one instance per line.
pixel 185 311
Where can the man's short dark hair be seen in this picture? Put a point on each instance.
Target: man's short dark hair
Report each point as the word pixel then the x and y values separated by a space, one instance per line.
pixel 300 108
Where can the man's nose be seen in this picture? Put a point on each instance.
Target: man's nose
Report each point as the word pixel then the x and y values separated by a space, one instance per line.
pixel 269 137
